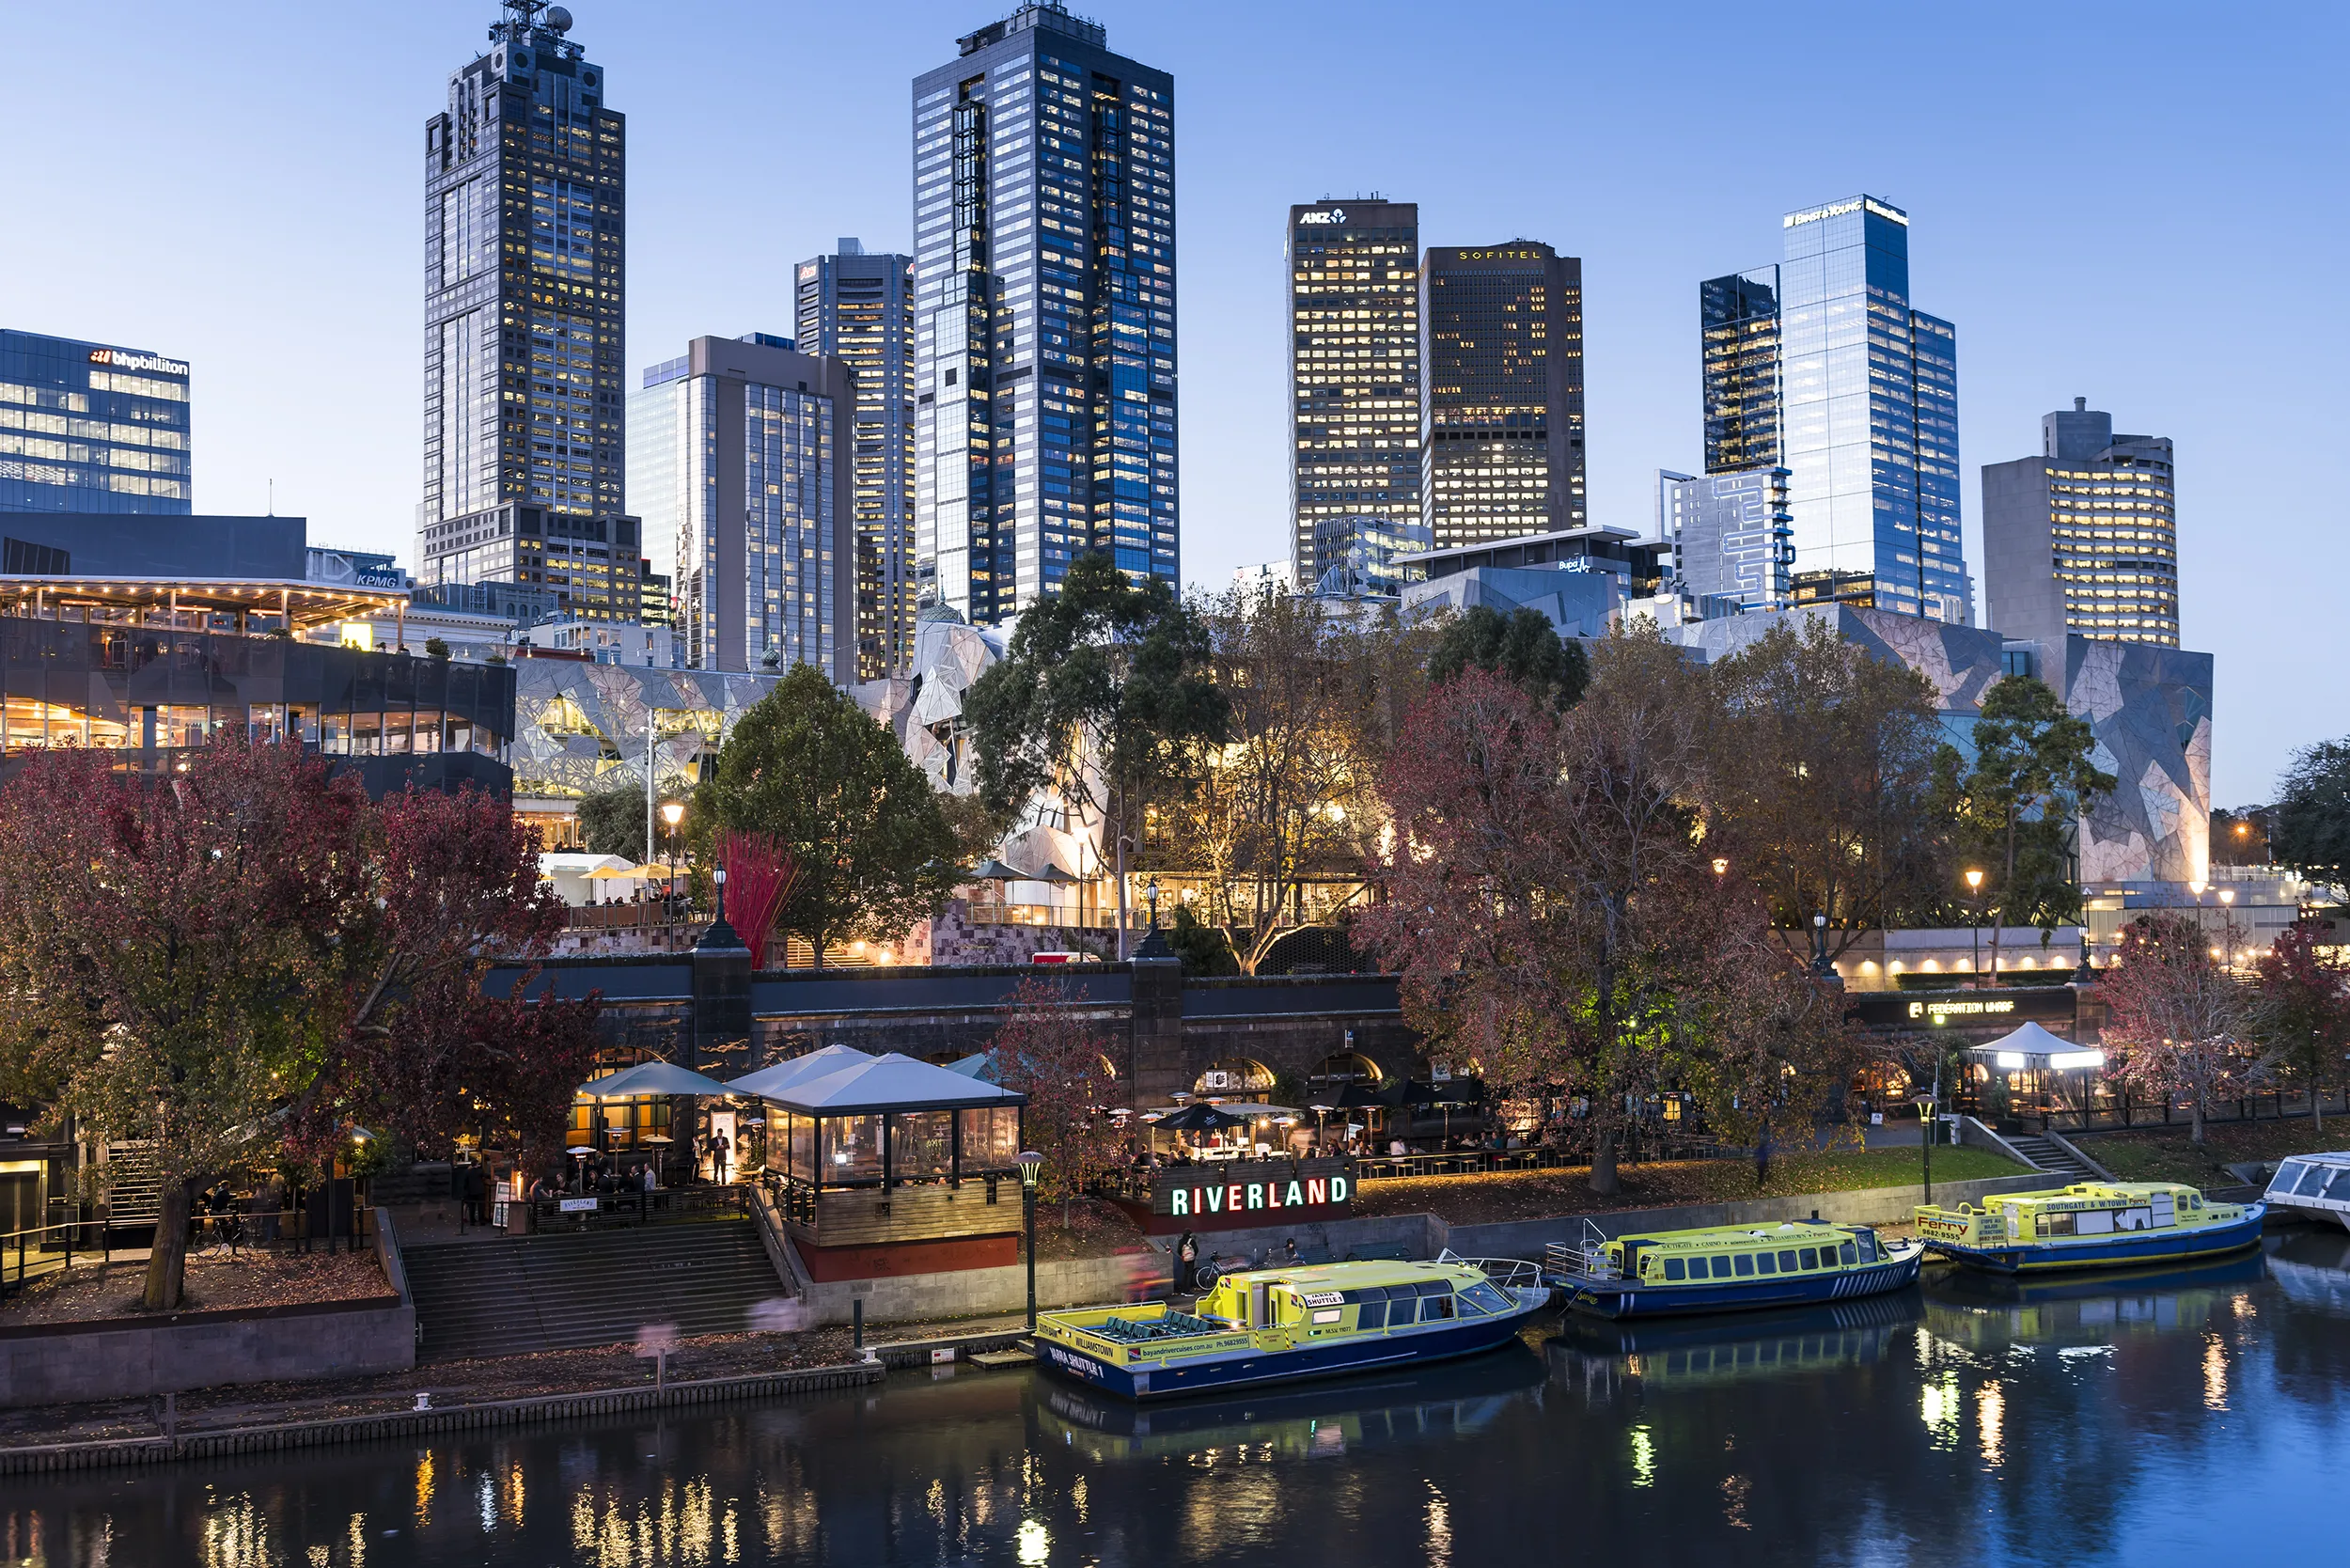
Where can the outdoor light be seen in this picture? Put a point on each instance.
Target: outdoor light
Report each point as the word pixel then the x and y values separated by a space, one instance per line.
pixel 2227 895
pixel 673 812
pixel 1720 865
pixel 1974 882
pixel 1030 1164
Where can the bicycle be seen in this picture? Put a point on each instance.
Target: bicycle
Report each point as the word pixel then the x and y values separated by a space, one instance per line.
pixel 221 1233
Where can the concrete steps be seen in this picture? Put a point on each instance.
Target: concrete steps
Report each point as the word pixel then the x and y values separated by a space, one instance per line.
pixel 2045 1154
pixel 511 1296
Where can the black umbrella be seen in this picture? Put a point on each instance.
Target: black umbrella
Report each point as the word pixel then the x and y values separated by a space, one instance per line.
pixel 1200 1119
pixel 1360 1096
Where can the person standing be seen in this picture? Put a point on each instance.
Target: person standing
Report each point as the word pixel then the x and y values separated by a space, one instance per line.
pixel 720 1147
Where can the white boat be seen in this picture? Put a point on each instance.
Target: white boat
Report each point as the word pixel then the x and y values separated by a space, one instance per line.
pixel 2316 1184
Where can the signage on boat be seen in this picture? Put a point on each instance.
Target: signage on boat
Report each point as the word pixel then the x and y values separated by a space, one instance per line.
pixel 1325 1298
pixel 1243 1193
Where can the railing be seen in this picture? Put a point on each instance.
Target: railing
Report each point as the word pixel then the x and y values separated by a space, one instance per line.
pixel 2178 1110
pixel 1510 1274
pixel 42 1250
pixel 602 1210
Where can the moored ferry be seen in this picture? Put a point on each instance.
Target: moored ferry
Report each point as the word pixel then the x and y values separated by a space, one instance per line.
pixel 2317 1185
pixel 1726 1268
pixel 2089 1225
pixel 1276 1325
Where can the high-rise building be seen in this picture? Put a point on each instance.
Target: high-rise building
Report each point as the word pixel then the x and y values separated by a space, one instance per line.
pixel 523 352
pixel 1355 557
pixel 735 447
pixel 91 427
pixel 860 307
pixel 1044 314
pixel 1820 366
pixel 1355 374
pixel 2083 537
pixel 1731 535
pixel 1501 346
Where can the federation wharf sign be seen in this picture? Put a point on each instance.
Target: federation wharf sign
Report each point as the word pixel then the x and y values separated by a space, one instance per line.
pixel 1238 1194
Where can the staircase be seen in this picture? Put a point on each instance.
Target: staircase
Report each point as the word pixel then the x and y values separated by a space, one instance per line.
pixel 2046 1153
pixel 517 1295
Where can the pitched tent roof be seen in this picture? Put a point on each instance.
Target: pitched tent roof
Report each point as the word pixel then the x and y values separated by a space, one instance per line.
pixel 652 1077
pixel 816 1064
pixel 890 1083
pixel 2029 1041
pixel 979 1065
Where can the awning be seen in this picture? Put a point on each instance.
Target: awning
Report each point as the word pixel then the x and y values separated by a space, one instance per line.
pixel 894 1082
pixel 2031 1047
pixel 816 1064
pixel 651 1078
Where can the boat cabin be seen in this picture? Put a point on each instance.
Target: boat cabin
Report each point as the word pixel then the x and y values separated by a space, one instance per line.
pixel 2314 1183
pixel 2083 1209
pixel 1367 1298
pixel 1739 1252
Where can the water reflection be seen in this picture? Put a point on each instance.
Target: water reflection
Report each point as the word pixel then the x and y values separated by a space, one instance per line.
pixel 1971 1422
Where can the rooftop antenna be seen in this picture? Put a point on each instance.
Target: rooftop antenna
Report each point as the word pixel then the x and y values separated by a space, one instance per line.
pixel 521 17
pixel 273 495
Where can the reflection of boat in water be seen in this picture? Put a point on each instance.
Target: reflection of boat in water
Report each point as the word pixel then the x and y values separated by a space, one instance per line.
pixel 1988 1313
pixel 1974 1288
pixel 1300 1420
pixel 1788 1340
pixel 2313 1271
pixel 2089 1225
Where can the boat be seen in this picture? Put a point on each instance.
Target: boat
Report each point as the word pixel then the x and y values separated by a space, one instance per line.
pixel 2317 1185
pixel 1278 1324
pixel 2089 1225
pixel 1728 1268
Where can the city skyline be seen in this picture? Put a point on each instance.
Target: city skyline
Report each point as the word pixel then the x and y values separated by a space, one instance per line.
pixel 240 295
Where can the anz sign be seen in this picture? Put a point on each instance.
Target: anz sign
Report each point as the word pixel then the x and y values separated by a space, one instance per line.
pixel 1335 214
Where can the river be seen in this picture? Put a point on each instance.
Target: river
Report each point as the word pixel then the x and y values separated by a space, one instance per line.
pixel 2195 1416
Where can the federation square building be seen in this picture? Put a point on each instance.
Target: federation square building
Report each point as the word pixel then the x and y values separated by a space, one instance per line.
pixel 1044 315
pixel 523 274
pixel 1820 366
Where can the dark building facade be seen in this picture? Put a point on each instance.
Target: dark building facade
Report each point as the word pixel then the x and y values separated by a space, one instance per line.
pixel 91 427
pixel 73 544
pixel 1355 367
pixel 858 306
pixel 525 269
pixel 1044 315
pixel 1501 351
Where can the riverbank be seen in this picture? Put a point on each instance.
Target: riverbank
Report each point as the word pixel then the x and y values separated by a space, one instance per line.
pixel 2166 1154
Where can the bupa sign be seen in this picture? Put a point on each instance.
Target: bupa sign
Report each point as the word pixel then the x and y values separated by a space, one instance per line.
pixel 1256 1192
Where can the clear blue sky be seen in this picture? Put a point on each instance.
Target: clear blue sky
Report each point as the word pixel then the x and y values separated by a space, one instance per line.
pixel 2142 206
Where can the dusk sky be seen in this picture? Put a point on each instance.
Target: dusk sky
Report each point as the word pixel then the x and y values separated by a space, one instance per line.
pixel 2141 207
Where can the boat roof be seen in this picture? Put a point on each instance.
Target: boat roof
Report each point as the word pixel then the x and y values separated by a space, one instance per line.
pixel 1352 1275
pixel 2331 1156
pixel 1740 1235
pixel 2095 1189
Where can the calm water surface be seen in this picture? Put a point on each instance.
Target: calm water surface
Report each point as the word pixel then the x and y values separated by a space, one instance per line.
pixel 2195 1416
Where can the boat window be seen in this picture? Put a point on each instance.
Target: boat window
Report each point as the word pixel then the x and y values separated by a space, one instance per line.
pixel 2095 1222
pixel 1676 1269
pixel 1435 1286
pixel 2338 1187
pixel 1787 1262
pixel 1868 1247
pixel 1847 1254
pixel 1811 1256
pixel 1435 1306
pixel 1721 1267
pixel 1327 1314
pixel 2311 1178
pixel 1371 1314
pixel 2055 1224
pixel 2287 1174
pixel 2135 1218
pixel 2195 1200
pixel 1768 1263
pixel 1746 1263
pixel 1483 1297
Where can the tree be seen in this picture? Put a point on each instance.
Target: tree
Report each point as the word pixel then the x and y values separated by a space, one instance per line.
pixel 249 952
pixel 2301 1009
pixel 2016 805
pixel 2175 1017
pixel 1103 687
pixel 1523 648
pixel 2309 827
pixel 1824 782
pixel 834 791
pixel 612 821
pixel 1051 1050
pixel 436 647
pixel 1545 889
pixel 2240 838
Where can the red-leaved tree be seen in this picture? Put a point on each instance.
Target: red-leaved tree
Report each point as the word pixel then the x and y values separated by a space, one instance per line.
pixel 2175 1017
pixel 1055 1051
pixel 759 873
pixel 2301 1009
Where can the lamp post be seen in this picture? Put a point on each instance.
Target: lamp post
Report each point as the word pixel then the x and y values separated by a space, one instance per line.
pixel 1974 922
pixel 1820 965
pixel 1925 1136
pixel 672 812
pixel 1030 1164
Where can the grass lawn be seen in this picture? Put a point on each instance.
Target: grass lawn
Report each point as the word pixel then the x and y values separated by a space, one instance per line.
pixel 1481 1199
pixel 2167 1155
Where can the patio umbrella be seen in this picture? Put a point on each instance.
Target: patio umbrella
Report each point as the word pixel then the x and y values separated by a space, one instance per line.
pixel 1358 1096
pixel 651 1078
pixel 1055 875
pixel 1200 1119
pixel 994 871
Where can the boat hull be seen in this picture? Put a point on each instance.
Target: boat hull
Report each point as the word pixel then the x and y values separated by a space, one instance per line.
pixel 1626 1300
pixel 2129 1250
pixel 1178 1378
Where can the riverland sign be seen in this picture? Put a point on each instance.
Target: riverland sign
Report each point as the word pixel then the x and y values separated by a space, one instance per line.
pixel 1237 1195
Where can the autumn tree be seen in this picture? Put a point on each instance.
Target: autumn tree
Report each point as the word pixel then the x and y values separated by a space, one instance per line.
pixel 1522 646
pixel 1824 782
pixel 2300 1009
pixel 2175 1017
pixel 2016 805
pixel 1054 1050
pixel 836 793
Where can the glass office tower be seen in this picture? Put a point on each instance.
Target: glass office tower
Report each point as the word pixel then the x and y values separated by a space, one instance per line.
pixel 1044 314
pixel 1355 375
pixel 860 307
pixel 523 353
pixel 1822 366
pixel 91 427
pixel 1501 346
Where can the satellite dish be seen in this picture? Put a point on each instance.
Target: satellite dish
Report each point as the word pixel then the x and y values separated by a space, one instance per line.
pixel 558 20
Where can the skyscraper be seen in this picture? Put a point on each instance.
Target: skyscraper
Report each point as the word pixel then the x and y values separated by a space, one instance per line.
pixel 1355 375
pixel 1044 314
pixel 1501 346
pixel 860 308
pixel 736 448
pixel 1730 534
pixel 523 354
pixel 1820 366
pixel 2083 537
pixel 91 427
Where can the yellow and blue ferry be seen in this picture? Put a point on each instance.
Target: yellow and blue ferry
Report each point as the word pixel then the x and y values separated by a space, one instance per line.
pixel 1276 1325
pixel 2089 1225
pixel 1726 1268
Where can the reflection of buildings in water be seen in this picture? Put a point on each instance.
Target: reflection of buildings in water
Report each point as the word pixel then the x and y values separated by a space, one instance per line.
pixel 1602 1358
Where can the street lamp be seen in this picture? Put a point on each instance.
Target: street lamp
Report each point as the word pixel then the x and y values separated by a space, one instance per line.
pixel 1820 965
pixel 672 812
pixel 1974 923
pixel 1032 1164
pixel 1925 1136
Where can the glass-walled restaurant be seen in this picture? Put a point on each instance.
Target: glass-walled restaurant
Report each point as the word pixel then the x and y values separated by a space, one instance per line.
pixel 899 1148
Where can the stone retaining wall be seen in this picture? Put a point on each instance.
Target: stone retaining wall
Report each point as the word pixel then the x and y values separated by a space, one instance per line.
pixel 963 1292
pixel 76 1362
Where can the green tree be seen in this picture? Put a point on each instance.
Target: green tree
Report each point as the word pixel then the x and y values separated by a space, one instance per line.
pixel 1104 687
pixel 809 767
pixel 2300 1011
pixel 2309 825
pixel 1522 646
pixel 612 821
pixel 2017 806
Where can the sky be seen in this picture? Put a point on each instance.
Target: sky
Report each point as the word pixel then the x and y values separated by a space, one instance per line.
pixel 2143 208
